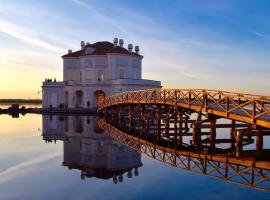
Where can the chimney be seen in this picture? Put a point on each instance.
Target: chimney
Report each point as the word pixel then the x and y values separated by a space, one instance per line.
pixel 137 49
pixel 130 47
pixel 121 42
pixel 82 45
pixel 87 43
pixel 69 51
pixel 115 42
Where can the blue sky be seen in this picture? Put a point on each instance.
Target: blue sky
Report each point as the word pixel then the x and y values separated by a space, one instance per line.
pixel 212 44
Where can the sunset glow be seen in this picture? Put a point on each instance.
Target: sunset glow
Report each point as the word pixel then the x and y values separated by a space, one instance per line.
pixel 185 44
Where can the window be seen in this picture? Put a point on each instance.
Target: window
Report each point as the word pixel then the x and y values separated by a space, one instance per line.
pixel 71 64
pixel 89 50
pixel 88 74
pixel 100 76
pixel 121 72
pixel 88 63
pixel 135 73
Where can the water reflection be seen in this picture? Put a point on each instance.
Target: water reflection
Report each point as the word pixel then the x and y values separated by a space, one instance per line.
pixel 233 163
pixel 105 151
pixel 89 149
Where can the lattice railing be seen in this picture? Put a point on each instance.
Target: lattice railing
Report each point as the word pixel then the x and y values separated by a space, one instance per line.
pixel 246 172
pixel 251 107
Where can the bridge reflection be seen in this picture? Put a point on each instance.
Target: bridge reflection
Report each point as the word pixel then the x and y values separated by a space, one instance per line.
pixel 89 149
pixel 246 163
pixel 110 147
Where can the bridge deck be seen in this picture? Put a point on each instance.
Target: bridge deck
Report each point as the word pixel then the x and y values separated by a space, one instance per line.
pixel 252 109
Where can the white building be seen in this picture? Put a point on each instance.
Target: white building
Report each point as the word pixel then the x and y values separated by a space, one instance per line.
pixel 95 71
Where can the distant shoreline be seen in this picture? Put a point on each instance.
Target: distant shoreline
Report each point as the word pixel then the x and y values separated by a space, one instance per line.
pixel 20 101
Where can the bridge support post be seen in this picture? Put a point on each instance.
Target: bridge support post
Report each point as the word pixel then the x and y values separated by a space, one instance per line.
pixel 167 127
pixel 158 122
pixel 175 126
pixel 142 119
pixel 195 134
pixel 232 133
pixel 129 117
pixel 239 143
pixel 259 141
pixel 185 119
pixel 119 115
pixel 212 133
pixel 180 129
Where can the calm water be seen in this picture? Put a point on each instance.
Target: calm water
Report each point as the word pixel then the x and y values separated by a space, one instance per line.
pixel 85 163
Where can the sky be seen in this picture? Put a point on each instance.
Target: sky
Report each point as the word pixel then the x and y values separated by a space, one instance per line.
pixel 212 44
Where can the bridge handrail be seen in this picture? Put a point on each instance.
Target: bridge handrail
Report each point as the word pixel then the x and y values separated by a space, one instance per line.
pixel 252 107
pixel 236 94
pixel 143 93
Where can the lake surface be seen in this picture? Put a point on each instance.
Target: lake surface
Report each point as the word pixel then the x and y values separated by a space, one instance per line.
pixel 54 157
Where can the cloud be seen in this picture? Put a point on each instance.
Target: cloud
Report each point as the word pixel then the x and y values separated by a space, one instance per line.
pixel 261 35
pixel 188 52
pixel 79 2
pixel 145 31
pixel 15 170
pixel 182 54
pixel 26 35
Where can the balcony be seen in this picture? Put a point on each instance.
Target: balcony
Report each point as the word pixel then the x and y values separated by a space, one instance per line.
pixel 53 84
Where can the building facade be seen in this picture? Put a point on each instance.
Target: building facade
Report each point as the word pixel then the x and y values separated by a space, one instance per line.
pixel 95 71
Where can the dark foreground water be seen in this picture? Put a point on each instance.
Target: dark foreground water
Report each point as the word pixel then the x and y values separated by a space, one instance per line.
pixel 85 163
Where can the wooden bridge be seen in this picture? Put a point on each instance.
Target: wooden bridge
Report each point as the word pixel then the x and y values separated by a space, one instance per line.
pixel 246 108
pixel 170 116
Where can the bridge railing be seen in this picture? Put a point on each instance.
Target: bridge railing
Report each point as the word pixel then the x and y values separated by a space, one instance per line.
pixel 250 106
pixel 239 170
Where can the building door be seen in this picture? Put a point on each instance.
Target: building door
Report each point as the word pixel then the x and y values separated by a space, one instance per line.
pixel 100 96
pixel 78 99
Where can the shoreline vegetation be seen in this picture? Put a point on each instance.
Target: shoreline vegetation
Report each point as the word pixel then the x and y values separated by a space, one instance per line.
pixel 20 101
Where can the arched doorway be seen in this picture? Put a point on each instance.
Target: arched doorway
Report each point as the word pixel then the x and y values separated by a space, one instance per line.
pixel 78 126
pixel 78 99
pixel 99 96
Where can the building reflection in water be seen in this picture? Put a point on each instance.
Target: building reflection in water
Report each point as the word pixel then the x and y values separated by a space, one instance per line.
pixel 89 149
pixel 101 154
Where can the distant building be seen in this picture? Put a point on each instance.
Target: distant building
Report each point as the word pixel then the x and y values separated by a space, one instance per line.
pixel 95 71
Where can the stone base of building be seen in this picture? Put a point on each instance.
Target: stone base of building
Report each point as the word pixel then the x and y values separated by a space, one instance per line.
pixel 81 97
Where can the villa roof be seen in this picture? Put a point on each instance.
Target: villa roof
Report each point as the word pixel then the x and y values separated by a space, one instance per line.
pixel 101 48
